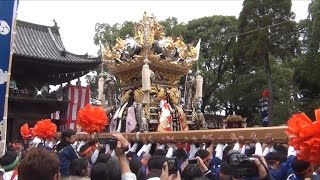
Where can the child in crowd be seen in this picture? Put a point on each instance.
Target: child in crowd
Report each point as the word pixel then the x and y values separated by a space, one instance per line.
pixel 66 152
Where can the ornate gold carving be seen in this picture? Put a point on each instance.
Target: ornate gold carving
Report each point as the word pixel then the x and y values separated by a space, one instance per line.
pixel 138 95
pixel 174 95
pixel 108 53
pixel 169 58
pixel 125 95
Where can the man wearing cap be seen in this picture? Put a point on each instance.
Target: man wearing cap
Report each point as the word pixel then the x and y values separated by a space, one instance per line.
pixel 9 163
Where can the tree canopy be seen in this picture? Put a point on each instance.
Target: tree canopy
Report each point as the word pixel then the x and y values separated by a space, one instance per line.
pixel 263 48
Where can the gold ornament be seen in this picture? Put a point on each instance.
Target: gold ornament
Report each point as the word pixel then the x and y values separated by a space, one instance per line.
pixel 168 58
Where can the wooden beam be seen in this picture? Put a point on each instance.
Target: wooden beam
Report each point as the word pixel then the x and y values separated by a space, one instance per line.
pixel 278 134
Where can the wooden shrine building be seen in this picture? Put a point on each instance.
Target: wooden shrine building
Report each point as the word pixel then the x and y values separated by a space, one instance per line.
pixel 39 60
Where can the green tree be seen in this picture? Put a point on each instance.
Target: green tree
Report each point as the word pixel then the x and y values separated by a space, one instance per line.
pixel 266 29
pixel 173 27
pixel 127 28
pixel 108 33
pixel 307 65
pixel 216 54
pixel 314 27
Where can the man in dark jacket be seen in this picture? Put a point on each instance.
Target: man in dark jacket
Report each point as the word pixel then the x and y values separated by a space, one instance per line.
pixel 66 151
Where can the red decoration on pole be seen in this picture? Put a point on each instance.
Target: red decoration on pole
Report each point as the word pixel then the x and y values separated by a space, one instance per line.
pixel 92 118
pixel 25 131
pixel 45 129
pixel 265 93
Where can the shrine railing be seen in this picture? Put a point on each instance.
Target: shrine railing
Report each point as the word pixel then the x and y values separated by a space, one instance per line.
pixel 35 95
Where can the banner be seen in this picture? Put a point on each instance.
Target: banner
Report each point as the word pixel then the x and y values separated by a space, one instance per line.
pixel 8 9
pixel 264 112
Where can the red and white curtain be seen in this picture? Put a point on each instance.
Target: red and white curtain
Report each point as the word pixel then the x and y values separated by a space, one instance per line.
pixel 79 96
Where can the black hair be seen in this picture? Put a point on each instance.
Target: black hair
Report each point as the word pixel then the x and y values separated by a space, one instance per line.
pixel 135 166
pixel 225 152
pixel 99 172
pixel 181 154
pixel 225 168
pixel 251 151
pixel 191 171
pixel 8 158
pixel 153 148
pixel 103 158
pixel 78 167
pixel 113 171
pixel 154 173
pixel 159 152
pixel 103 150
pixel 280 149
pixel 156 162
pixel 202 153
pixel 140 144
pixel 300 166
pixel 271 157
pixel 201 178
pixel 131 99
pixel 66 133
pixel 169 101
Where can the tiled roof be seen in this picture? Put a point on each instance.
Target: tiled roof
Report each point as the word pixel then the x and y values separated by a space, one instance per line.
pixel 44 43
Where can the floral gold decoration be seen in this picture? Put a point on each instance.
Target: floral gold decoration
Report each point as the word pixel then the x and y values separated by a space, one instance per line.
pixel 169 58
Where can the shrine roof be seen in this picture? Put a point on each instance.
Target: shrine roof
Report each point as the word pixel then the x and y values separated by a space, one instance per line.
pixel 44 43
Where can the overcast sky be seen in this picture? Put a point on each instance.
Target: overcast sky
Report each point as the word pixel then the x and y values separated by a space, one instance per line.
pixel 77 19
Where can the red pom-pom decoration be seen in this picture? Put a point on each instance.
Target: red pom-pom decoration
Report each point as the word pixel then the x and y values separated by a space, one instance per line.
pixel 265 93
pixel 92 118
pixel 304 136
pixel 25 131
pixel 45 129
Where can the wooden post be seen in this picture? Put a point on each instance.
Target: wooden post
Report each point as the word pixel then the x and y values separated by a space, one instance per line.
pixel 278 134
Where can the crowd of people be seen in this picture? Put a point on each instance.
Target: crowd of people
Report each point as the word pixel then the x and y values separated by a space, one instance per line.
pixel 121 159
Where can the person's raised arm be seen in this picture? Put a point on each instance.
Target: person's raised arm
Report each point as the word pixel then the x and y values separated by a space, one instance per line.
pixel 219 151
pixel 292 151
pixel 122 146
pixel 133 148
pixel 170 150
